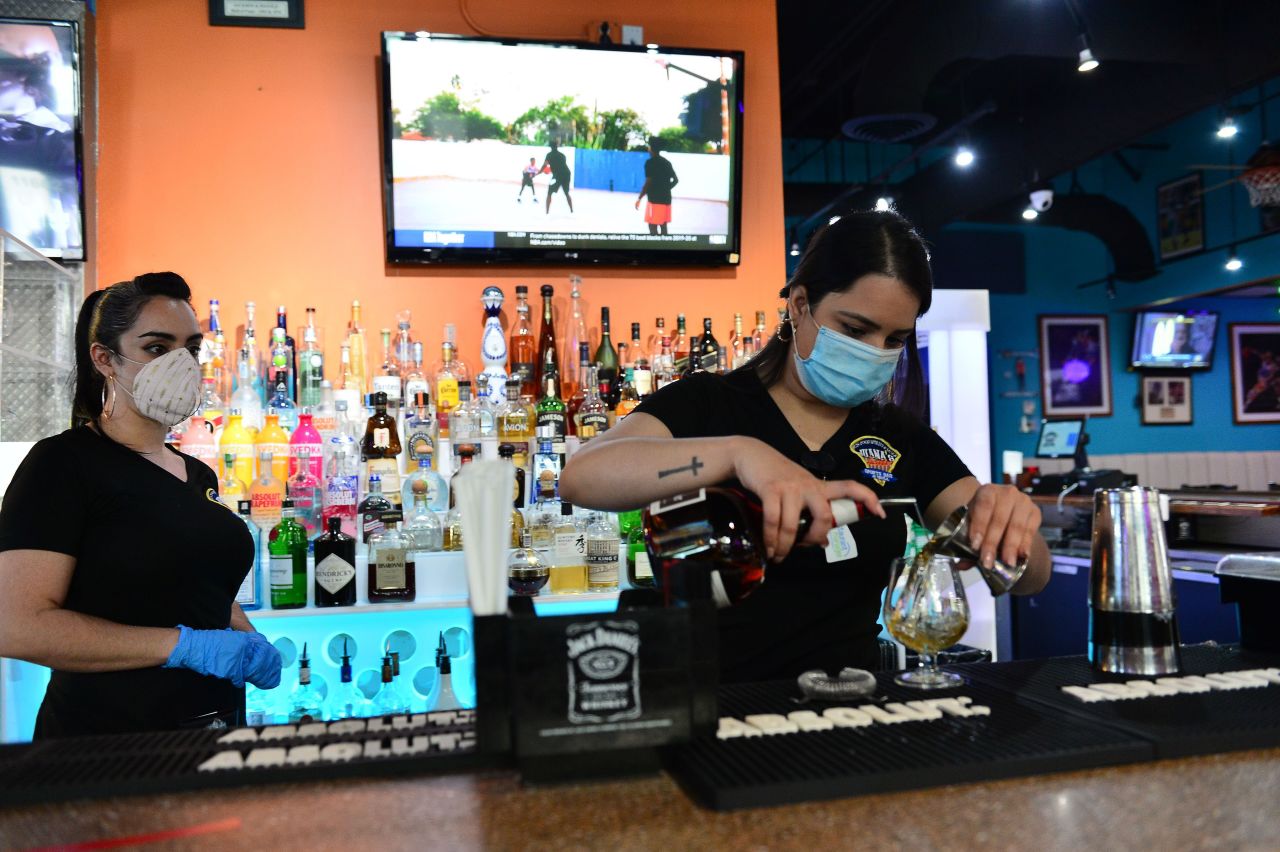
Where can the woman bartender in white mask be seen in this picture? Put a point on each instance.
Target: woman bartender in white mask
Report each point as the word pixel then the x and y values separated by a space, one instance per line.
pixel 118 566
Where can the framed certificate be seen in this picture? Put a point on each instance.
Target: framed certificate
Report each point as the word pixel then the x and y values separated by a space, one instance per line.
pixel 256 13
pixel 1166 400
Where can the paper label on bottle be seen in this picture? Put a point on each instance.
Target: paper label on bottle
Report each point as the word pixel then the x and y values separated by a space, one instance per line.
pixel 382 438
pixel 370 523
pixel 389 572
pixel 643 381
pixel 333 572
pixel 281 572
pixel 341 491
pixel 248 592
pixel 389 470
pixel 326 424
pixel 592 424
pixel 447 394
pixel 644 571
pixel 571 548
pixel 421 445
pixel 840 545
pixel 678 501
pixel 602 561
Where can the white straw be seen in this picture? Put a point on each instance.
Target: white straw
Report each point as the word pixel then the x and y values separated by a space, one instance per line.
pixel 483 495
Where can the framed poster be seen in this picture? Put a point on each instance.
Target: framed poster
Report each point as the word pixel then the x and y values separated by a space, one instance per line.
pixel 256 13
pixel 1166 400
pixel 1255 372
pixel 1075 369
pixel 1180 216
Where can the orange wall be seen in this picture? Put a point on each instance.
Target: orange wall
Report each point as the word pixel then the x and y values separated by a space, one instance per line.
pixel 247 160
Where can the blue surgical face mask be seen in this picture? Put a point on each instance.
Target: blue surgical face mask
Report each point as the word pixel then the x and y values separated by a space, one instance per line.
pixel 842 371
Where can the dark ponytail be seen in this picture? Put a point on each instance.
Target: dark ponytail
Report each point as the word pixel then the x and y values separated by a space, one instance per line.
pixel 104 317
pixel 840 253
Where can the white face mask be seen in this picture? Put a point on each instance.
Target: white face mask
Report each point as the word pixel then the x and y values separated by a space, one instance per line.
pixel 166 390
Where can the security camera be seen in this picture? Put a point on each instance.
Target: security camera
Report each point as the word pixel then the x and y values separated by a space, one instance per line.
pixel 1042 199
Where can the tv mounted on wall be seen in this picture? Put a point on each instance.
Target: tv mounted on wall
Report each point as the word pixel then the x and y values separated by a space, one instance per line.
pixel 1171 340
pixel 500 151
pixel 41 174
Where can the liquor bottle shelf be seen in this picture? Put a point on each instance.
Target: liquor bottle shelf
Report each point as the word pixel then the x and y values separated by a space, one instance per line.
pixel 453 602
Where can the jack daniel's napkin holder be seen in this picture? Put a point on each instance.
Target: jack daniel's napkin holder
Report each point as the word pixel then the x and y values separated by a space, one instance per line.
pixel 595 694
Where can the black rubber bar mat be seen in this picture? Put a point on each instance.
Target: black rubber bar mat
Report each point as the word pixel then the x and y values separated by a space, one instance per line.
pixel 1015 739
pixel 1178 725
pixel 161 762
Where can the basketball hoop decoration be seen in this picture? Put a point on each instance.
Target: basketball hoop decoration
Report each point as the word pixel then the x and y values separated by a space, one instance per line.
pixel 1261 177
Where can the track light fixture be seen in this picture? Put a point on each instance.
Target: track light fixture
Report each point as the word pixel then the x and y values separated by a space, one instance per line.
pixel 1087 61
pixel 1228 128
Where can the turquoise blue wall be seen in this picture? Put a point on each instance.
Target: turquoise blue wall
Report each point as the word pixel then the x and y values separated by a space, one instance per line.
pixel 1059 261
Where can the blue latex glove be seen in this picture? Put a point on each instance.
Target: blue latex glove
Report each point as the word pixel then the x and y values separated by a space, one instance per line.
pixel 229 654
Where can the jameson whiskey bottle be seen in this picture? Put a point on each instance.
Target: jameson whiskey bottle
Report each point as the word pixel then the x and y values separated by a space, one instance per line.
pixel 380 449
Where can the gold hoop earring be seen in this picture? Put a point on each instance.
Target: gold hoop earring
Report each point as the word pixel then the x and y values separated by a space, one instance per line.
pixel 786 330
pixel 112 412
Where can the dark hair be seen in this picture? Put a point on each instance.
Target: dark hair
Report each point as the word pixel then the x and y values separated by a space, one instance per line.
pixel 839 253
pixel 104 317
pixel 34 74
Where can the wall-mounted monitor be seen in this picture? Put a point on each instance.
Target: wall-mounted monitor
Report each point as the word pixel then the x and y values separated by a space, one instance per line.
pixel 1172 340
pixel 41 175
pixel 501 151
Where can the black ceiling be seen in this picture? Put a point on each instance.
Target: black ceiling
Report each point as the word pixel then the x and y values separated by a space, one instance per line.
pixel 943 60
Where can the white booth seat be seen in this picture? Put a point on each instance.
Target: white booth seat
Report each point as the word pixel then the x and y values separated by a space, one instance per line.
pixel 1248 471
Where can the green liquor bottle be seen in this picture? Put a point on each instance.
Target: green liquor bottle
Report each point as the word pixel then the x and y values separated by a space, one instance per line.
pixel 288 552
pixel 639 571
pixel 551 409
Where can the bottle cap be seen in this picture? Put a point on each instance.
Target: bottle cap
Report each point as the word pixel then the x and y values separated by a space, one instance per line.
pixel 244 507
pixel 373 477
pixel 547 290
pixel 506 451
pixel 345 671
pixel 522 288
pixel 335 527
pixel 286 504
pixel 422 398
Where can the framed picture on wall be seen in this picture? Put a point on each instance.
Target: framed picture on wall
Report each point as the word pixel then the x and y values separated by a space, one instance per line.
pixel 1180 216
pixel 257 13
pixel 1075 370
pixel 1255 372
pixel 1166 400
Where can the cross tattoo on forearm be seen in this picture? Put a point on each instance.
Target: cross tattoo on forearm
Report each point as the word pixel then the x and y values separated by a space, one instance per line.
pixel 692 467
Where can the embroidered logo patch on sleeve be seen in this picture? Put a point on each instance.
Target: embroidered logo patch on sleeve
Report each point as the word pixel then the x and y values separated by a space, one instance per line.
pixel 879 458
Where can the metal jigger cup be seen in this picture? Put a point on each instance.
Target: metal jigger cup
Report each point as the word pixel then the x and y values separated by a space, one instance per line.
pixel 952 539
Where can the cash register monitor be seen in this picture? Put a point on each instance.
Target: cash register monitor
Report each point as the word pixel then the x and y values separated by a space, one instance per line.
pixel 1059 439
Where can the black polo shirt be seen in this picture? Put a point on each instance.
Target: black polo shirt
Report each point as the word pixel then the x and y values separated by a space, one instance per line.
pixel 150 550
pixel 810 613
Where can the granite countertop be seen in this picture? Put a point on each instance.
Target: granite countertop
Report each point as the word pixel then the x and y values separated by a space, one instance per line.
pixel 1225 800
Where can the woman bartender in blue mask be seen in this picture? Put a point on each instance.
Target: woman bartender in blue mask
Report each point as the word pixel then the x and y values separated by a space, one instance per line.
pixel 828 409
pixel 118 566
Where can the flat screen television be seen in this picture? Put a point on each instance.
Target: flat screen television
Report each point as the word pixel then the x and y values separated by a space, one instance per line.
pixel 1171 340
pixel 41 198
pixel 501 151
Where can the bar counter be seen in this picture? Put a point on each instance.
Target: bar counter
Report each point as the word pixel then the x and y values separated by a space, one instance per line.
pixel 1221 801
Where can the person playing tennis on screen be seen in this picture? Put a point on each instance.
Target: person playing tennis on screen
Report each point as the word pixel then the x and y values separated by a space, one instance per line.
pixel 659 178
pixel 560 174
pixel 526 180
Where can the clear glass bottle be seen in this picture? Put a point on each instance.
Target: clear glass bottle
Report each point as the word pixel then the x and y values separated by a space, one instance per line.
pixel 347 701
pixel 433 486
pixel 372 509
pixel 387 380
pixel 653 344
pixel 231 490
pixel 392 575
pixel 574 402
pixel 680 343
pixel 420 432
pixel 760 335
pixel 211 407
pixel 735 340
pixel 358 352
pixel 421 524
pixel 305 703
pixel 307 495
pixel 335 567
pixel 527 573
pixel 415 380
pixel 516 417
pixel 389 701
pixel 448 373
pixel 464 422
pixel 544 517
pixel 575 338
pixel 664 372
pixel 593 416
pixel 342 483
pixel 310 364
pixel 453 518
pixel 603 548
pixel 287 547
pixel 250 594
pixel 569 565
pixel 345 371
